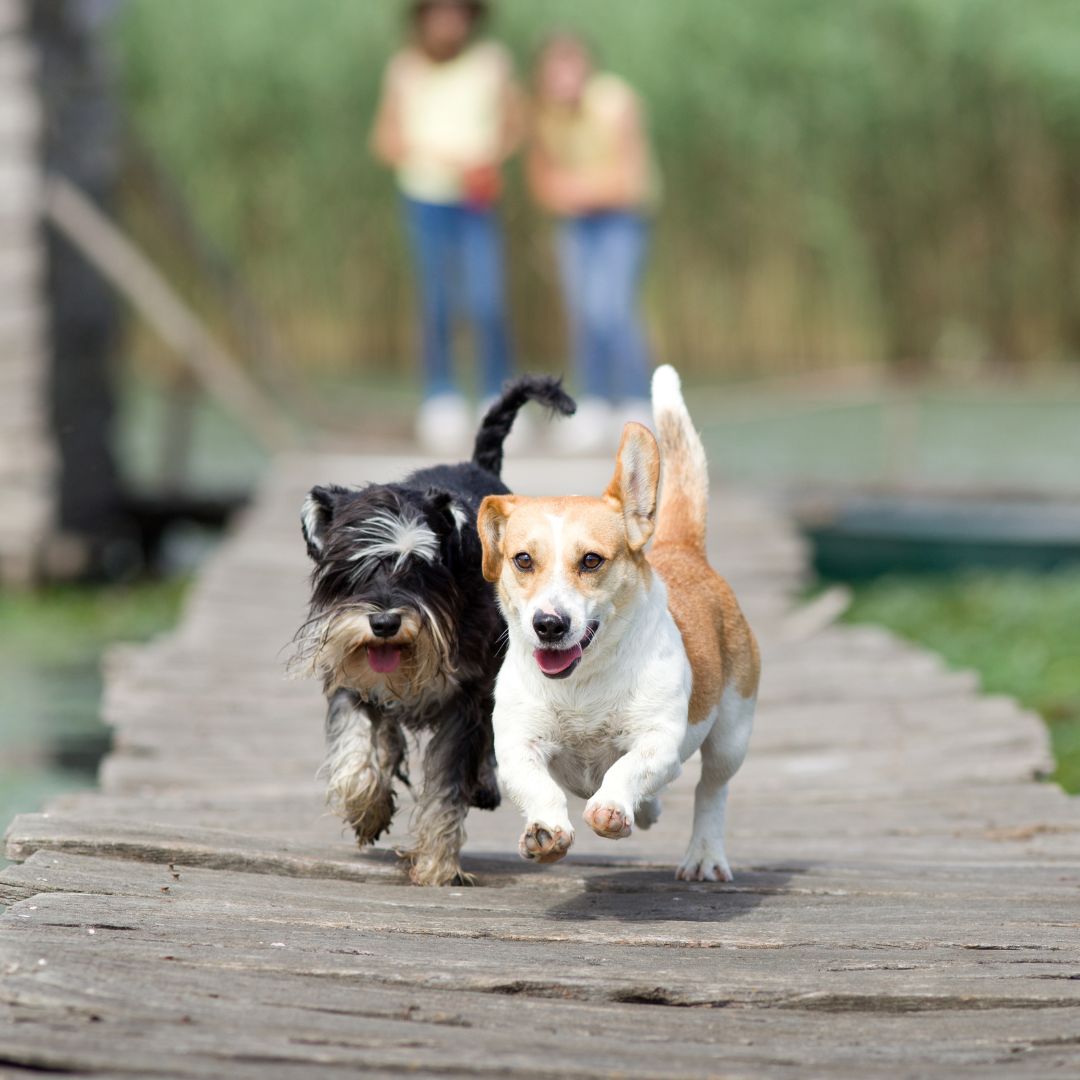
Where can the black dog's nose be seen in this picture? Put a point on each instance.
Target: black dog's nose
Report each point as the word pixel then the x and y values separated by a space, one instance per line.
pixel 550 627
pixel 384 623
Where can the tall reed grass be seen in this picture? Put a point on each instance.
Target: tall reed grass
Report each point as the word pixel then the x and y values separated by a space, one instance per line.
pixel 892 182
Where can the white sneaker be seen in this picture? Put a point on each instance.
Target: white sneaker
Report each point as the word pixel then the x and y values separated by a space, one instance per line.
pixel 442 425
pixel 590 430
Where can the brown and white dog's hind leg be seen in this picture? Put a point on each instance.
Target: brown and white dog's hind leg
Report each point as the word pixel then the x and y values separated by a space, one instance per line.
pixel 722 753
pixel 364 753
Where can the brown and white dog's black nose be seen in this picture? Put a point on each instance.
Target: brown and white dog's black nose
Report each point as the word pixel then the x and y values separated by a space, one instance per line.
pixel 384 623
pixel 550 626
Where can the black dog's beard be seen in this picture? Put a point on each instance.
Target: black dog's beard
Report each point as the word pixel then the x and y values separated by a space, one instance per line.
pixel 333 646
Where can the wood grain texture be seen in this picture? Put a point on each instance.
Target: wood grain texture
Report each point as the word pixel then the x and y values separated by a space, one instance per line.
pixel 906 902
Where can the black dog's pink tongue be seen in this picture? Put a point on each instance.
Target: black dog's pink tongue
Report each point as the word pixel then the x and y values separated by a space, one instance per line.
pixel 554 661
pixel 384 658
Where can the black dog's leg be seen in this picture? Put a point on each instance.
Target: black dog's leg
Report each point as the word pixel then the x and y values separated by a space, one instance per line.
pixel 485 791
pixel 364 752
pixel 452 766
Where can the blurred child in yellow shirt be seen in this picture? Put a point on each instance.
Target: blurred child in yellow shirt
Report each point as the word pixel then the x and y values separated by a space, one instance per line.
pixel 590 165
pixel 447 119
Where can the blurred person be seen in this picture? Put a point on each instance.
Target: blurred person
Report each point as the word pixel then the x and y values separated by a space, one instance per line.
pixel 590 165
pixel 448 117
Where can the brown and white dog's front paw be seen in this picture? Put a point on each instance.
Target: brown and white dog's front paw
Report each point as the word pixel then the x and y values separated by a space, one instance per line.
pixel 609 818
pixel 545 843
pixel 704 862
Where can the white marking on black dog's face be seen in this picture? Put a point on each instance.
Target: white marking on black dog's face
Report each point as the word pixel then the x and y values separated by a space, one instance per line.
pixel 390 536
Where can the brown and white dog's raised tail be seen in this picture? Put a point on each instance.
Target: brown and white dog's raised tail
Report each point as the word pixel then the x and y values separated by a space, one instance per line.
pixel 682 511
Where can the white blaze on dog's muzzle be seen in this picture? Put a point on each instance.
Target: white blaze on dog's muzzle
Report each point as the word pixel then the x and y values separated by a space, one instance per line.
pixel 560 662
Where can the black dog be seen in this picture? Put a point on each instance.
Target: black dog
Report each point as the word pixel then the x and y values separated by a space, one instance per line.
pixel 404 632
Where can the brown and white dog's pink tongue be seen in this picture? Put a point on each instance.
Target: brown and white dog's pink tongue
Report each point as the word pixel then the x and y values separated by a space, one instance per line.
pixel 384 658
pixel 554 661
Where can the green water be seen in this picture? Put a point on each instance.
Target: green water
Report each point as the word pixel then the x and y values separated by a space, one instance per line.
pixel 50 733
pixel 51 647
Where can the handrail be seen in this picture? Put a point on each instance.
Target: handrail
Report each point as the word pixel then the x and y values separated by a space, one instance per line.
pixel 132 274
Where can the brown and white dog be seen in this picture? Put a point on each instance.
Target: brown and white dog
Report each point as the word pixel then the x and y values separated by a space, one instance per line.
pixel 621 663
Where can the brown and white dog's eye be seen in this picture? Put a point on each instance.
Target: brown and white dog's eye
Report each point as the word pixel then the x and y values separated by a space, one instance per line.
pixel 523 561
pixel 592 561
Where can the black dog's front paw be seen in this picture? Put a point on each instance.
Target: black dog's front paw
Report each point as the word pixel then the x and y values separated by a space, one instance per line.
pixel 370 820
pixel 485 795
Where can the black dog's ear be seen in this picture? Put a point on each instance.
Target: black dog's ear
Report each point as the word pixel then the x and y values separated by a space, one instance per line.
pixel 443 514
pixel 315 518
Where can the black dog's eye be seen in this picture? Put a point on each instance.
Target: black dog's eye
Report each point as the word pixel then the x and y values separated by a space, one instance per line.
pixel 523 561
pixel 592 561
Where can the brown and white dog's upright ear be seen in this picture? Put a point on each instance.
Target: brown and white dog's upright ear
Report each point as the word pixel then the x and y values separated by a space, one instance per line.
pixel 635 483
pixel 491 524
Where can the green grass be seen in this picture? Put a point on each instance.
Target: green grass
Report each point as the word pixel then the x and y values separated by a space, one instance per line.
pixel 70 623
pixel 1019 631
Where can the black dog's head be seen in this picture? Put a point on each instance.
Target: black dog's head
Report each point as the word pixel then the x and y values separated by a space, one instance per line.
pixel 386 598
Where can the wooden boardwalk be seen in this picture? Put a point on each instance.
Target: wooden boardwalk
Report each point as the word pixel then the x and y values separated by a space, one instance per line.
pixel 906 903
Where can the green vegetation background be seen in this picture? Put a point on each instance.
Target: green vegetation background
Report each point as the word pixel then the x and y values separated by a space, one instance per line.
pixel 861 181
pixel 1020 631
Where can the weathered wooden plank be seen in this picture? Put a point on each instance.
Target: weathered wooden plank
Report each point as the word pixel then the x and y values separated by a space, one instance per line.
pixel 299 840
pixel 301 1020
pixel 964 814
pixel 221 848
pixel 393 948
pixel 591 905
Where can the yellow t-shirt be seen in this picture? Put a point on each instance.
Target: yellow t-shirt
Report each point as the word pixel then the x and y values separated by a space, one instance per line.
pixel 587 137
pixel 451 116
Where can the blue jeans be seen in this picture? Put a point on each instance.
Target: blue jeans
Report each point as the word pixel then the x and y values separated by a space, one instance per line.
pixel 602 256
pixel 459 262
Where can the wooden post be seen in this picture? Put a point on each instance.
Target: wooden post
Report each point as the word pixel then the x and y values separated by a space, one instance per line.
pixel 28 465
pixel 136 278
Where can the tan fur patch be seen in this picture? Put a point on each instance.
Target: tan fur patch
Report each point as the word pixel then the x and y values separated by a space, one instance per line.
pixel 718 641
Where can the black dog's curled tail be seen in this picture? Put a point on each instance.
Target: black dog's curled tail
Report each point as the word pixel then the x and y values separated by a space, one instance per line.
pixel 496 425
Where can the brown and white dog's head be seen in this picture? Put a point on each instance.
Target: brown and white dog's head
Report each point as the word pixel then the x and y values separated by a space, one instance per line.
pixel 565 567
